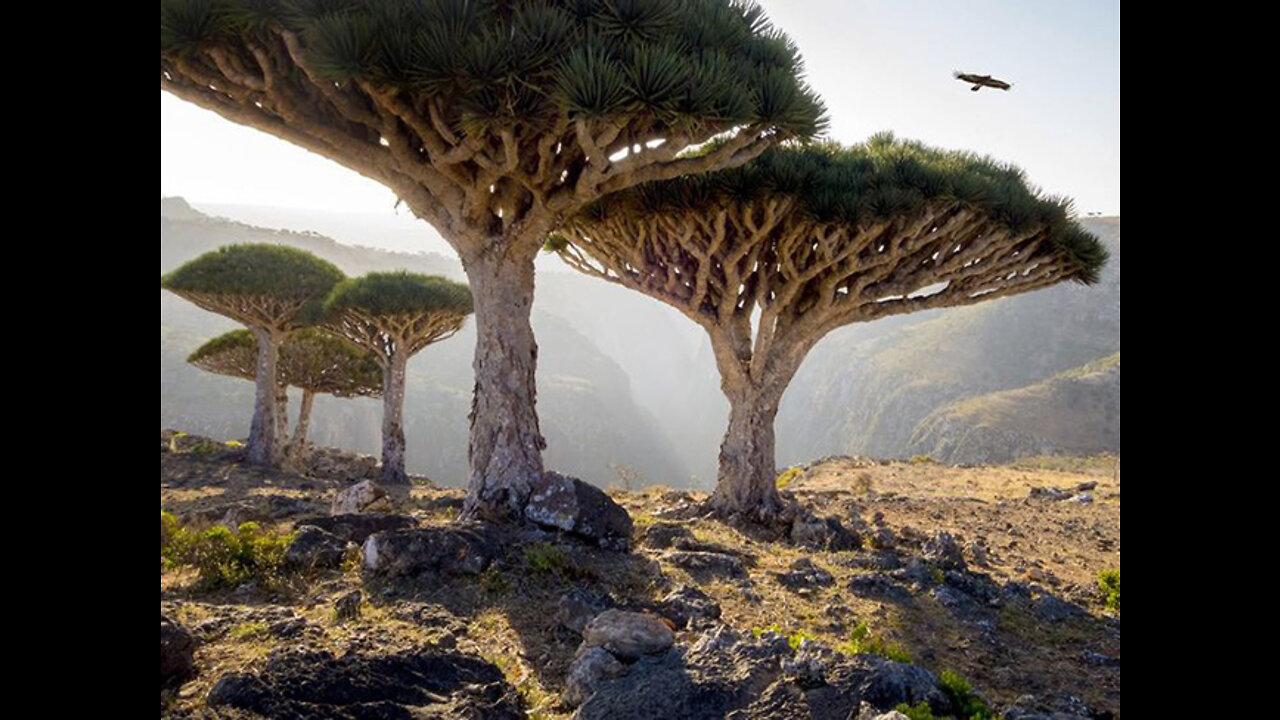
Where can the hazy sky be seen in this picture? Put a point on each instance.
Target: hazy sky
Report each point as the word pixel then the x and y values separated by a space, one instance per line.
pixel 883 65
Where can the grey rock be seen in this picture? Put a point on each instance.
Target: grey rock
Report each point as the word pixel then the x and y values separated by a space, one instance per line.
pixel 821 533
pixel 804 574
pixel 177 653
pixel 703 564
pixel 889 683
pixel 1051 608
pixel 687 604
pixel 313 548
pixel 462 549
pixel 577 607
pixel 357 527
pixel 347 607
pixel 667 535
pixel 878 585
pixel 423 682
pixel 569 504
pixel 628 635
pixel 365 496
pixel 590 668
pixel 943 551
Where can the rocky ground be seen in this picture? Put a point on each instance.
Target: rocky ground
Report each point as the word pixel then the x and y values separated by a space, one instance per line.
pixel 395 611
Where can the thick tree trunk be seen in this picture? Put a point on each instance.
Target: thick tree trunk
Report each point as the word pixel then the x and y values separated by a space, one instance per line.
pixel 506 443
pixel 748 475
pixel 298 443
pixel 264 444
pixel 393 372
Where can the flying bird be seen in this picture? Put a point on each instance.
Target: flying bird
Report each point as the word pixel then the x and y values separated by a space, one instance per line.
pixel 981 81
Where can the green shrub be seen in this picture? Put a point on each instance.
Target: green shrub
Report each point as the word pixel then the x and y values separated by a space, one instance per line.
pixel 968 706
pixel 1109 581
pixel 863 642
pixel 921 460
pixel 921 711
pixel 222 557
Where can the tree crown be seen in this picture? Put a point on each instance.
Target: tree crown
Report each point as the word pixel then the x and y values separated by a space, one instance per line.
pixel 273 271
pixel 400 293
pixel 497 64
pixel 310 359
pixel 880 179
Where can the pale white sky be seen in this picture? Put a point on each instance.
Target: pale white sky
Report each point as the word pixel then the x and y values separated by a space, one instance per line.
pixel 880 65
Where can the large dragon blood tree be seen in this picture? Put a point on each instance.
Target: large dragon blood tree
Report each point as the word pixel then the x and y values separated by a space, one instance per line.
pixel 494 121
pixel 272 290
pixel 394 315
pixel 311 359
pixel 770 257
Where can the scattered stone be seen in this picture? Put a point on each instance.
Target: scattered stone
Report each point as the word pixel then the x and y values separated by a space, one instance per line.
pixel 943 551
pixel 569 504
pixel 418 683
pixel 331 463
pixel 288 629
pixel 866 712
pixel 1086 486
pixel 363 497
pixel 875 560
pixel 1048 493
pixel 821 533
pixel 347 607
pixel 1083 499
pixel 461 549
pixel 628 635
pixel 1050 608
pixel 804 574
pixel 313 548
pixel 978 552
pixel 590 668
pixel 882 538
pixel 706 564
pixel 879 586
pixel 177 653
pixel 1097 658
pixel 357 527
pixel 889 683
pixel 577 607
pixel 687 604
pixel 667 535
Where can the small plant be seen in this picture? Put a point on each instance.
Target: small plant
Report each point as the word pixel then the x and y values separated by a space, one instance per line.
pixel 863 642
pixel 248 631
pixel 544 557
pixel 920 711
pixel 757 631
pixel 788 476
pixel 968 706
pixel 798 638
pixel 1109 581
pixel 495 581
pixel 222 557
pixel 921 460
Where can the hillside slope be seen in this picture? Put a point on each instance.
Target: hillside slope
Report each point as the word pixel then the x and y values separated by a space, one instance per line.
pixel 1072 413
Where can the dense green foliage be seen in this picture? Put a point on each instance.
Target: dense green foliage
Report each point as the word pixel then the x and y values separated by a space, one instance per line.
pixel 495 64
pixel 310 359
pixel 256 270
pixel 400 293
pixel 967 705
pixel 919 711
pixel 882 178
pixel 1109 581
pixel 224 559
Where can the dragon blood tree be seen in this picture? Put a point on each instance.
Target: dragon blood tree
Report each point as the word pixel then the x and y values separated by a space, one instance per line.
pixel 271 290
pixel 311 360
pixel 770 257
pixel 394 315
pixel 494 121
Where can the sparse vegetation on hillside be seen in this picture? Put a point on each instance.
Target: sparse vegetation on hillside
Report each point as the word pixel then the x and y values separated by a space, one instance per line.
pixel 1109 581
pixel 223 558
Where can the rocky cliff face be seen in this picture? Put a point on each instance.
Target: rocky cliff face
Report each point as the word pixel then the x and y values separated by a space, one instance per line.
pixel 866 389
pixel 1074 413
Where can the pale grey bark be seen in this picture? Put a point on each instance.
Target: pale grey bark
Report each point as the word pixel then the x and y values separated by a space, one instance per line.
pixel 282 414
pixel 298 443
pixel 506 443
pixel 393 379
pixel 747 472
pixel 264 445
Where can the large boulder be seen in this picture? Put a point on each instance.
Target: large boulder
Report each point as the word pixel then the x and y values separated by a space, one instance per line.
pixel 363 497
pixel 628 635
pixel 357 527
pixel 177 653
pixel 424 682
pixel 313 548
pixel 465 549
pixel 573 506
